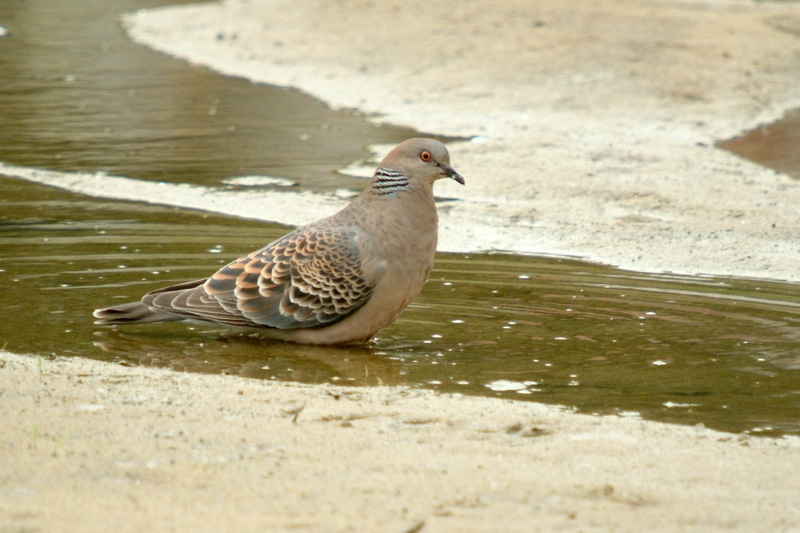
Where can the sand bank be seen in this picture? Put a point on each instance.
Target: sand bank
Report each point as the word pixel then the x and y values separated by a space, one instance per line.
pixel 595 121
pixel 90 446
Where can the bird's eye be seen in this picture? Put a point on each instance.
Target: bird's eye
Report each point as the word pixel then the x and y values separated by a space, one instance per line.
pixel 425 156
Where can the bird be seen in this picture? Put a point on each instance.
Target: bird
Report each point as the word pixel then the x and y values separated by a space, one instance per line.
pixel 338 280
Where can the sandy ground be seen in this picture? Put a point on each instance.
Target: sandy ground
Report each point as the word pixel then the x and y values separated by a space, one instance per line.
pixel 595 124
pixel 595 120
pixel 90 446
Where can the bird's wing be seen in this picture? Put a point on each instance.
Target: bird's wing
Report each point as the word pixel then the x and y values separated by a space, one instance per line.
pixel 312 277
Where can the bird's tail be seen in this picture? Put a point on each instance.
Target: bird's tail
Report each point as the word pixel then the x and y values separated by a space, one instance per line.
pixel 132 313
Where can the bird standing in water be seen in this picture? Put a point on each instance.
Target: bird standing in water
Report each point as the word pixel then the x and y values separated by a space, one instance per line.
pixel 334 281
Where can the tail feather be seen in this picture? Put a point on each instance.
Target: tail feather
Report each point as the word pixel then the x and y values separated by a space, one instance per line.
pixel 132 313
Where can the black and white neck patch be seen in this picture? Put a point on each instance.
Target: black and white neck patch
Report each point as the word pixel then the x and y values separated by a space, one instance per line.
pixel 388 181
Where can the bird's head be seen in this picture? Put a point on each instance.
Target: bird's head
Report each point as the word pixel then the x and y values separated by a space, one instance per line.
pixel 414 161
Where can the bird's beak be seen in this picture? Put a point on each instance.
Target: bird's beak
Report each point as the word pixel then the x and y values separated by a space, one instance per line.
pixel 451 173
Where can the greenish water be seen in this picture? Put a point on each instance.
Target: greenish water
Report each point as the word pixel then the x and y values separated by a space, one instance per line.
pixel 722 352
pixel 75 95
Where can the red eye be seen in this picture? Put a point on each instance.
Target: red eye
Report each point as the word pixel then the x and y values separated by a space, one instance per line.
pixel 426 156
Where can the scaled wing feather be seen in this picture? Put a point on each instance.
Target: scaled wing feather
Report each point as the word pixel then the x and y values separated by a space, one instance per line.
pixel 312 277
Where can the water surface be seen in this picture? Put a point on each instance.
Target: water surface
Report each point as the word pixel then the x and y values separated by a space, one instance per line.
pixel 717 351
pixel 775 145
pixel 75 95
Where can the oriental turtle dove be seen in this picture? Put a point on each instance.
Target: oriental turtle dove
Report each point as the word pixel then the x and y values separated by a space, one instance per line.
pixel 337 280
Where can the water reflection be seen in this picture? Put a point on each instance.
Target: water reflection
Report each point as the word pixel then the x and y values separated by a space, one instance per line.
pixel 75 95
pixel 216 352
pixel 723 352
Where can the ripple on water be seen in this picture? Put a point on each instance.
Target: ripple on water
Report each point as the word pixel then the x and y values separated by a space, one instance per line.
pixel 722 352
pixel 717 351
pixel 77 95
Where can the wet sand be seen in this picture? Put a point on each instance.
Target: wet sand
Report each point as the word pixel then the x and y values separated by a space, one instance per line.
pixel 596 125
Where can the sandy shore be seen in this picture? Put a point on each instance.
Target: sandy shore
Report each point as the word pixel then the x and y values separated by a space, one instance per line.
pixel 90 446
pixel 596 120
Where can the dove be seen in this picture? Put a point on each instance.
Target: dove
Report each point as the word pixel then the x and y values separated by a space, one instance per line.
pixel 338 280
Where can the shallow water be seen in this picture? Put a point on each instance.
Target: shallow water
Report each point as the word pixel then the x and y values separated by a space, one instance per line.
pixel 774 145
pixel 722 352
pixel 75 95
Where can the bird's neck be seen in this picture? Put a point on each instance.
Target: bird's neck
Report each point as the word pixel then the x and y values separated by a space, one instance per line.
pixel 403 210
pixel 388 182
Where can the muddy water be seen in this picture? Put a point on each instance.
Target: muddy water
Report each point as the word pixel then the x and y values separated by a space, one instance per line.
pixel 722 352
pixel 774 145
pixel 75 95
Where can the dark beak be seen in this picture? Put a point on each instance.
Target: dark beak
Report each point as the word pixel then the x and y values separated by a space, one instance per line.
pixel 451 173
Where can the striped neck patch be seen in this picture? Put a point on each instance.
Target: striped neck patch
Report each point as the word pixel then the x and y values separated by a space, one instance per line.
pixel 388 181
